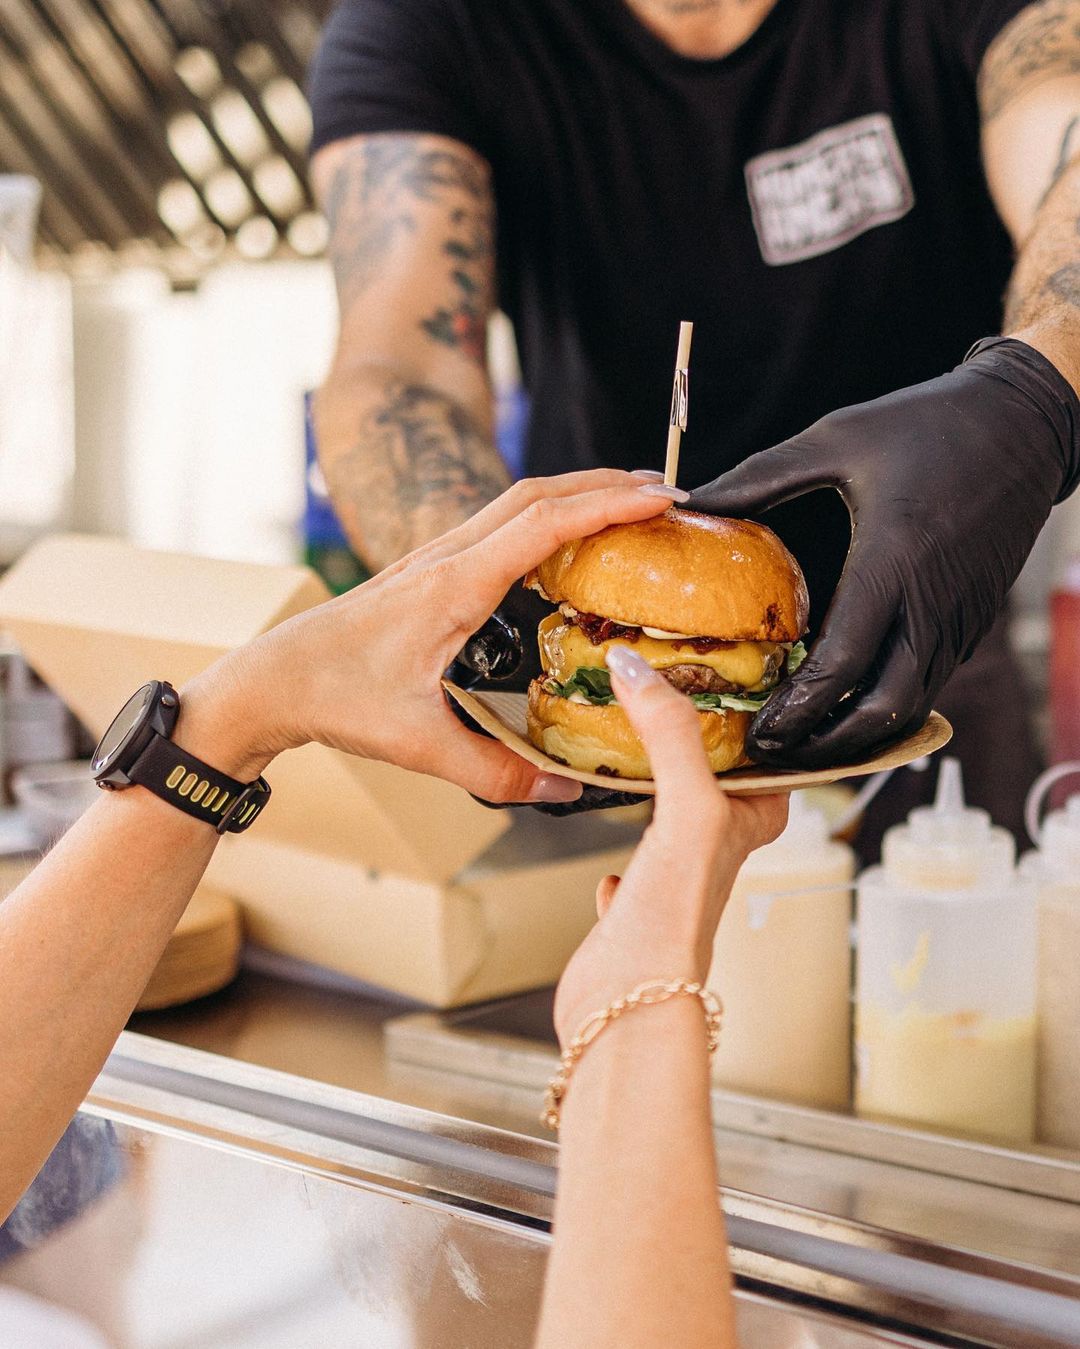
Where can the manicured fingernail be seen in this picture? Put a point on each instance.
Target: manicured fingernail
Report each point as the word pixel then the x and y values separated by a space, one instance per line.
pixel 551 788
pixel 652 474
pixel 626 664
pixel 661 489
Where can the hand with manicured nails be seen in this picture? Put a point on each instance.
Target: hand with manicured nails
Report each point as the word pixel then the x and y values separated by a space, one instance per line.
pixel 660 919
pixel 80 936
pixel 948 484
pixel 363 672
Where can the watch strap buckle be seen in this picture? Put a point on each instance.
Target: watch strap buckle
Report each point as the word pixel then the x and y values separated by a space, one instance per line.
pixel 242 812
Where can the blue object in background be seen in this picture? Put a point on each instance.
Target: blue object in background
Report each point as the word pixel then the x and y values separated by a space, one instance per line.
pixel 326 548
pixel 85 1165
pixel 511 428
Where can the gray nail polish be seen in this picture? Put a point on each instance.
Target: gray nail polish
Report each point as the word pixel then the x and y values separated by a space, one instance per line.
pixel 626 664
pixel 661 489
pixel 653 474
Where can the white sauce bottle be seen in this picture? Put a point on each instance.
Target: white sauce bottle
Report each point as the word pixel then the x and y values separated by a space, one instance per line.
pixel 945 1032
pixel 782 965
pixel 1054 868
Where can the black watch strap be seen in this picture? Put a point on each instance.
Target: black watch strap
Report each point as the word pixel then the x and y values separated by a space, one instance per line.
pixel 198 790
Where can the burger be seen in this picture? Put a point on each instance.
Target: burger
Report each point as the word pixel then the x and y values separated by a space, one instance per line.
pixel 717 606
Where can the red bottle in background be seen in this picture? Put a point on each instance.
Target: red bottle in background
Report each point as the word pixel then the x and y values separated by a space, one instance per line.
pixel 1065 667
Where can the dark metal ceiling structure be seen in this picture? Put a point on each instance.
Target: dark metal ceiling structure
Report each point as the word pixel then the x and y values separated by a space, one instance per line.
pixel 171 125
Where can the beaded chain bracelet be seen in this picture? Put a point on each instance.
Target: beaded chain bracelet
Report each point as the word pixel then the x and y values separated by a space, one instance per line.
pixel 645 995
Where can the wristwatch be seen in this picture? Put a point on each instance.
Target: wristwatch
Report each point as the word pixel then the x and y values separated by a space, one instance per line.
pixel 137 750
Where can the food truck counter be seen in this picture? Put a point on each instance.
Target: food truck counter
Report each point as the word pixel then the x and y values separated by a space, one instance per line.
pixel 886 1227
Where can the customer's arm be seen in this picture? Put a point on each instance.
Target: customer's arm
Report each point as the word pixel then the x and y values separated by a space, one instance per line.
pixel 80 937
pixel 404 419
pixel 640 1255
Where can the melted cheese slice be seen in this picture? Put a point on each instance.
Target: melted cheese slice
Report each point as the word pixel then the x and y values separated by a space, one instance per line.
pixel 563 647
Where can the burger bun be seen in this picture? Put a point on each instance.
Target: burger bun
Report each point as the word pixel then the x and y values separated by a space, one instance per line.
pixel 594 739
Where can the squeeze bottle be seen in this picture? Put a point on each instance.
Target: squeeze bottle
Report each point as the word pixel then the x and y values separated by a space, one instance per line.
pixel 945 985
pixel 782 964
pixel 1054 868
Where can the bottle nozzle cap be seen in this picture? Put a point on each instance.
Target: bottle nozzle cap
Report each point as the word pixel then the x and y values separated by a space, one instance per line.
pixel 949 797
pixel 949 844
pixel 1060 841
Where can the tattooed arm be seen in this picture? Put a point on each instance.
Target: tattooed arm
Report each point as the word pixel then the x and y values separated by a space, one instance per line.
pixel 1029 97
pixel 404 418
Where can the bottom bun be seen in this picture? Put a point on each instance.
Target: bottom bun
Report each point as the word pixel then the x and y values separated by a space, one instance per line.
pixel 601 739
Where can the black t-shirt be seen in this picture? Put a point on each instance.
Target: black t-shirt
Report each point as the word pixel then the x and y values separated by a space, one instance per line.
pixel 814 201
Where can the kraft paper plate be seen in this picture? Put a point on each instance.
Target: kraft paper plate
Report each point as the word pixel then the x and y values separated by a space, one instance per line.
pixel 503 716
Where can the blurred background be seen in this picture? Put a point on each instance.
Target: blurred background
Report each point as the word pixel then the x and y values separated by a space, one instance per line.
pixel 164 300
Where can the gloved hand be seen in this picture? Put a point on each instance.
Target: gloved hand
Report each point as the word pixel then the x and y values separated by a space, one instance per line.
pixel 948 484
pixel 504 654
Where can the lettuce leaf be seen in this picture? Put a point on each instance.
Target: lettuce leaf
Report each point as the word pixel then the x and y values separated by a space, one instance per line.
pixel 595 685
pixel 591 683
pixel 731 702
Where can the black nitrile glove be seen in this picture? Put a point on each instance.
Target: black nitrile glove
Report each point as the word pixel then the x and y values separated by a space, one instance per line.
pixel 948 484
pixel 591 798
pixel 504 654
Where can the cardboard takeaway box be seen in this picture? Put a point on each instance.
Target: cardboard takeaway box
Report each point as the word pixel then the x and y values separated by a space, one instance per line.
pixel 385 875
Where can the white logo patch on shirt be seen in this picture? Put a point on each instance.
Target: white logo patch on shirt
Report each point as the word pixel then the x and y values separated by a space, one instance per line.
pixel 811 198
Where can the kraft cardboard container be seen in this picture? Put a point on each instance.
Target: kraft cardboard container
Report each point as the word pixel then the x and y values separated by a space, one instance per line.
pixel 389 876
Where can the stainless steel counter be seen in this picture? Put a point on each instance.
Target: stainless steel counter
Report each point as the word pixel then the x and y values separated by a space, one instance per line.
pixel 792 1178
pixel 260 1211
pixel 331 1036
pixel 302 1166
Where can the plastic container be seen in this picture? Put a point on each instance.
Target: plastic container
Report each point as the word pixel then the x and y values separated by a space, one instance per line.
pixel 1054 868
pixel 53 796
pixel 37 727
pixel 945 1029
pixel 782 965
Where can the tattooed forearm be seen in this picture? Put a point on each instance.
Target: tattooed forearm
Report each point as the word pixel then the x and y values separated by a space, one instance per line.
pixel 1065 284
pixel 1041 43
pixel 1045 284
pixel 1044 294
pixel 420 465
pixel 402 424
pixel 392 191
pixel 1066 151
pixel 463 323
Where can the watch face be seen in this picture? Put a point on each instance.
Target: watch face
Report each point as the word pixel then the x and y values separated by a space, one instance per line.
pixel 126 721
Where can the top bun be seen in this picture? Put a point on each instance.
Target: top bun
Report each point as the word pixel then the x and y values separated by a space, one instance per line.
pixel 683 572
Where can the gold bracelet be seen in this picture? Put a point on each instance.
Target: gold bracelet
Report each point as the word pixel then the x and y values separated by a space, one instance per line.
pixel 645 995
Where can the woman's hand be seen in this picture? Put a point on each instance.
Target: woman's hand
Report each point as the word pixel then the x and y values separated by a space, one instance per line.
pixel 660 920
pixel 362 673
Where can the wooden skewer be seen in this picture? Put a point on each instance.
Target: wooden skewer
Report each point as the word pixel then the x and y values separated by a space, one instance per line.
pixel 679 401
